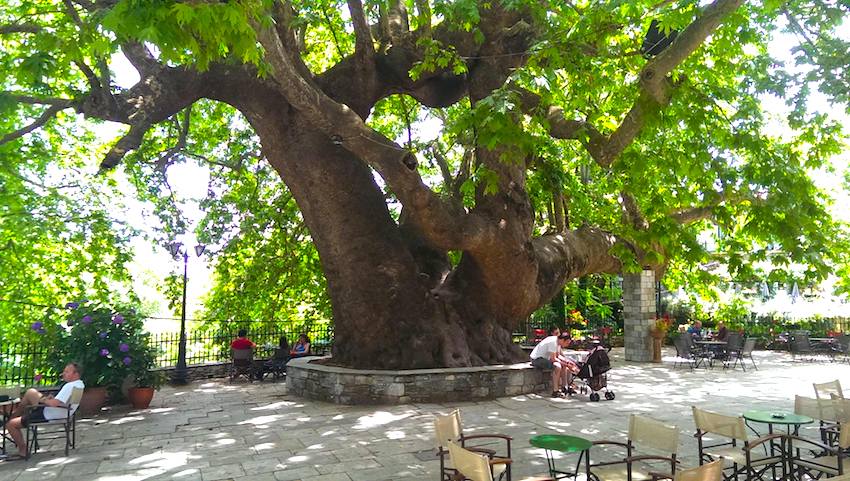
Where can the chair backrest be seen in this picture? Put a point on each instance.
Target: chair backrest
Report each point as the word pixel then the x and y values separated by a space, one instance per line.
pixel 707 472
pixel 13 392
pixel 820 409
pixel 749 346
pixel 74 400
pixel 844 435
pixel 733 341
pixel 825 390
pixel 645 431
pixel 472 465
pixel 242 357
pixel 447 428
pixel 682 348
pixel 729 426
pixel 800 343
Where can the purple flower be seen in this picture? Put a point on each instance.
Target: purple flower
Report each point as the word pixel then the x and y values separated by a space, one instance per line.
pixel 118 319
pixel 127 361
pixel 72 305
pixel 123 347
pixel 102 335
pixel 38 327
pixel 37 378
pixel 86 319
pixel 104 352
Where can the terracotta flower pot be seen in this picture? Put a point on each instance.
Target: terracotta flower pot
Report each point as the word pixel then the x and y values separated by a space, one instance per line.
pixel 93 399
pixel 140 397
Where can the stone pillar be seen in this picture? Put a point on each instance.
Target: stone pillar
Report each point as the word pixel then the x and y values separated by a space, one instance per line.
pixel 638 314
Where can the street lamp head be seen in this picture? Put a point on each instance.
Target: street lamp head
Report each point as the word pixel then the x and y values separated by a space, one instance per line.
pixel 174 248
pixel 199 249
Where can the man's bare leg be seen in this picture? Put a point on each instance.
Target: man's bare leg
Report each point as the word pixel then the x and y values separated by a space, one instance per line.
pixel 29 399
pixel 13 427
pixel 556 378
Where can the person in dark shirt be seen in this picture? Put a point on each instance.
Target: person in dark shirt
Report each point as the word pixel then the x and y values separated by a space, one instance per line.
pixel 722 332
pixel 242 341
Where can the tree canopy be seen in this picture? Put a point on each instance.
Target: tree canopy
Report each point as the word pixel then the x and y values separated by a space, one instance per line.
pixel 454 162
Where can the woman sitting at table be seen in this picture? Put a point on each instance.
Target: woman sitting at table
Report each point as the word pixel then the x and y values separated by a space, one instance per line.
pixel 277 364
pixel 301 348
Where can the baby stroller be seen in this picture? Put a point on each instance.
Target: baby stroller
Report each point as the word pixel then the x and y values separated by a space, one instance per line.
pixel 593 372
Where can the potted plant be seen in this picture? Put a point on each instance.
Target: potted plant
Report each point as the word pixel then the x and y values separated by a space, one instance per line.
pixel 144 376
pixel 104 341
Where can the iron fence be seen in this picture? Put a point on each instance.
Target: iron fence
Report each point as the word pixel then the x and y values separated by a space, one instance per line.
pixel 30 364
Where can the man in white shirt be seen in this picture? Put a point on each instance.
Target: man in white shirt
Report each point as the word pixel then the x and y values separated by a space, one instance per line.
pixel 547 355
pixel 47 407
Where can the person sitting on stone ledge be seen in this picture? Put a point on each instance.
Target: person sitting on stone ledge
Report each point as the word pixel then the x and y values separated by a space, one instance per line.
pixel 547 355
pixel 301 348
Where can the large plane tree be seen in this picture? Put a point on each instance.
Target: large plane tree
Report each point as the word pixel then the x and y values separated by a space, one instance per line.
pixel 572 137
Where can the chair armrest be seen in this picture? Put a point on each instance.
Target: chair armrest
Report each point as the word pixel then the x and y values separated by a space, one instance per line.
pixel 791 438
pixel 648 457
pixel 655 476
pixel 475 449
pixel 763 439
pixel 602 442
pixel 479 436
pixel 495 461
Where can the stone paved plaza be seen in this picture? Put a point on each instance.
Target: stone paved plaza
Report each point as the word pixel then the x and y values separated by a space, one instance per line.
pixel 217 431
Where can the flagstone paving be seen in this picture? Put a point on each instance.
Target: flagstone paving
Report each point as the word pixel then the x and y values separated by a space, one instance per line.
pixel 220 431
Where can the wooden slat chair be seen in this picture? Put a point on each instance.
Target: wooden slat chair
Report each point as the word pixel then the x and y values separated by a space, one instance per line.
pixel 474 466
pixel 68 426
pixel 243 364
pixel 448 428
pixel 645 434
pixel 740 450
pixel 826 460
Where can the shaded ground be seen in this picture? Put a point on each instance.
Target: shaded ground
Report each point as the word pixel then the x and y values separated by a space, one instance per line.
pixel 215 430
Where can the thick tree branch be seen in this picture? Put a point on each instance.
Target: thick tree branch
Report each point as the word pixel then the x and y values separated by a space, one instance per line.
pixel 29 99
pixel 130 141
pixel 363 44
pixel 43 119
pixel 631 212
pixel 141 58
pixel 20 28
pixel 345 127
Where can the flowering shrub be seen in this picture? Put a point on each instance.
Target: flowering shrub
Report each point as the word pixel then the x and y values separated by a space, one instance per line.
pixel 109 344
pixel 662 324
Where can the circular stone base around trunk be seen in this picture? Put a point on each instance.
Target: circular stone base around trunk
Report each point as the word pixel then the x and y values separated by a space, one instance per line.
pixel 342 385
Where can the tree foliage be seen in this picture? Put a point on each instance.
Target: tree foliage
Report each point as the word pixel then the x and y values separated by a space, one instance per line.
pixel 556 149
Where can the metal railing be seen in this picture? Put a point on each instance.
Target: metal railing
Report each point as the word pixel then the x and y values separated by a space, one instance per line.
pixel 30 364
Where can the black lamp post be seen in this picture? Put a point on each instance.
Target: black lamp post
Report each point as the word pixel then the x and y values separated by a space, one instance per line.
pixel 176 249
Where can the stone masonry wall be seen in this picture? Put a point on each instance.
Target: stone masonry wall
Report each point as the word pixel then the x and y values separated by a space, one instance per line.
pixel 638 314
pixel 349 386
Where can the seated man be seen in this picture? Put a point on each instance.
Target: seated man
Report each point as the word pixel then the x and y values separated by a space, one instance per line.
pixel 696 330
pixel 722 332
pixel 547 355
pixel 242 341
pixel 48 408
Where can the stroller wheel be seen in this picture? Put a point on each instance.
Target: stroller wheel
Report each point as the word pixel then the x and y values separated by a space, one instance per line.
pixel 609 395
pixel 594 397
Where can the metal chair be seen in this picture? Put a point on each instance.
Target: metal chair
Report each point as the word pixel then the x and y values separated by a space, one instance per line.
pixel 683 352
pixel 844 345
pixel 448 429
pixel 744 458
pixel 701 356
pixel 68 425
pixel 736 357
pixel 645 433
pixel 243 364
pixel 825 461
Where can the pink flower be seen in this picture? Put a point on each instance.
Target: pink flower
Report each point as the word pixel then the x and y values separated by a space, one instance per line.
pixel 38 378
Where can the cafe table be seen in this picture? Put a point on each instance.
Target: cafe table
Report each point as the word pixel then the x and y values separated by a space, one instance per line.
pixel 564 444
pixel 791 421
pixel 5 414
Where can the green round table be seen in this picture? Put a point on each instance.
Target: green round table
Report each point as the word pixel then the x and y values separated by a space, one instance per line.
pixel 565 444
pixel 777 417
